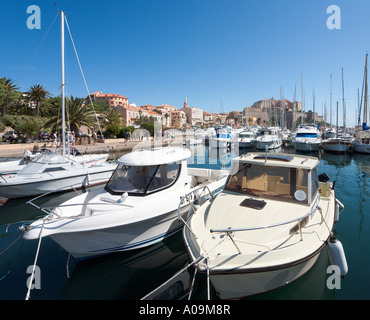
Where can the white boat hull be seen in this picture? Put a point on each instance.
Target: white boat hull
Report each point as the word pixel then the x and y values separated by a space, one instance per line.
pixel 88 244
pixel 269 144
pixel 238 285
pixel 307 146
pixel 361 148
pixel 11 167
pixel 39 186
pixel 336 146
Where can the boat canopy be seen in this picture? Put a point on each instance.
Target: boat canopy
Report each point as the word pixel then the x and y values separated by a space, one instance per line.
pixel 155 156
pixel 143 180
pixel 285 183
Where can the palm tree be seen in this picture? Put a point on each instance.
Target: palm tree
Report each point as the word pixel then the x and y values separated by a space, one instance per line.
pixel 166 115
pixel 8 93
pixel 77 115
pixel 112 117
pixel 37 94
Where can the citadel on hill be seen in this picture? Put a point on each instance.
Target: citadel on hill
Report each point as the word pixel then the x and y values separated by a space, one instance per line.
pixel 266 112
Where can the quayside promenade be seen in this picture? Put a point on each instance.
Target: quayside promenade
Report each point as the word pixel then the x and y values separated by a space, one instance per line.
pixel 17 150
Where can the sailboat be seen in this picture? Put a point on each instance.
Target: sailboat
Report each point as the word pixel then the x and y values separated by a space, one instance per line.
pixel 361 143
pixel 51 172
pixel 339 144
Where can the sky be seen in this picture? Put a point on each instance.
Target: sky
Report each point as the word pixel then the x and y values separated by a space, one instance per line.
pixel 222 55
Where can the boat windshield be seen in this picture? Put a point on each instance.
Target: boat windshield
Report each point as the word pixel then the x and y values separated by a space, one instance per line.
pixel 142 180
pixel 278 183
pixel 307 135
pixel 245 135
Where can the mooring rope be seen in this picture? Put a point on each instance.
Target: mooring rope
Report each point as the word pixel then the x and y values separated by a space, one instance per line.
pixel 34 263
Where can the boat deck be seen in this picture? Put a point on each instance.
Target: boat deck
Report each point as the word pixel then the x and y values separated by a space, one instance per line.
pixel 260 248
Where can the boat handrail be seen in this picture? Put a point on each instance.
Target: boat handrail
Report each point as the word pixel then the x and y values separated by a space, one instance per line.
pixel 196 196
pixel 315 208
pixel 31 202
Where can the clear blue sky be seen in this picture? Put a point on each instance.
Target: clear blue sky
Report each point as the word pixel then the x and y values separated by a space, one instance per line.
pixel 158 52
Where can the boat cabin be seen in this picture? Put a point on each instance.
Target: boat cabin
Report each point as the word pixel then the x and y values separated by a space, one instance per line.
pixel 279 177
pixel 145 172
pixel 246 135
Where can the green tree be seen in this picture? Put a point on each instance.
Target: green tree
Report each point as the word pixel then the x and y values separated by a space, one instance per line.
pixel 37 94
pixel 8 94
pixel 112 117
pixel 77 115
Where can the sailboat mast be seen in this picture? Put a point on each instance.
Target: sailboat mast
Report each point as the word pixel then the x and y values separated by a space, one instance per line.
pixel 331 99
pixel 302 99
pixel 344 106
pixel 365 100
pixel 337 118
pixel 313 97
pixel 63 82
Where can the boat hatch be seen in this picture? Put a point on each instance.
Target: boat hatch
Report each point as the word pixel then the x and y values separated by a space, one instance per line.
pixel 278 183
pixel 253 203
pixel 280 157
pixel 142 180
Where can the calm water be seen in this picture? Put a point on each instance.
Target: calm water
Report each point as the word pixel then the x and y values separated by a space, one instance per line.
pixel 131 275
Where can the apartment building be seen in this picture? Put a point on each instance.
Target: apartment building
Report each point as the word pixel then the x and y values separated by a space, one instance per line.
pixel 178 119
pixel 109 99
pixel 132 114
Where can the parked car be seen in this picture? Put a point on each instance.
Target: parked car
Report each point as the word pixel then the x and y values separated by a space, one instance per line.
pixel 44 135
pixel 10 135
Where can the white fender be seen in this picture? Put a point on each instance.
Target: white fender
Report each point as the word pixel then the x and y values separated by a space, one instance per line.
pixel 337 255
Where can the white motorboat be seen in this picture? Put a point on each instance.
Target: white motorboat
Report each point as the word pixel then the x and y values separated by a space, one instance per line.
pixel 307 139
pixel 286 137
pixel 50 172
pixel 138 206
pixel 245 139
pixel 267 227
pixel 14 166
pixel 361 143
pixel 267 139
pixel 330 133
pixel 220 140
pixel 336 145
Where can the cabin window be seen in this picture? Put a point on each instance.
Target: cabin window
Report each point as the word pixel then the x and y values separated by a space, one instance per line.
pixel 278 183
pixel 142 180
pixel 53 169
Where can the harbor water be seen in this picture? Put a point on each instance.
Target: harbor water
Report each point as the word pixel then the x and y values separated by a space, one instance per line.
pixel 133 274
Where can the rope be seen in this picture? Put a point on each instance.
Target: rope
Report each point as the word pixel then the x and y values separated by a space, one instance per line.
pixel 38 47
pixel 11 244
pixel 34 263
pixel 198 260
pixel 174 276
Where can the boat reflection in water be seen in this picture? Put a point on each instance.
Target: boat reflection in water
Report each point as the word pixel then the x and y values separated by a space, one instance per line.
pixel 130 275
